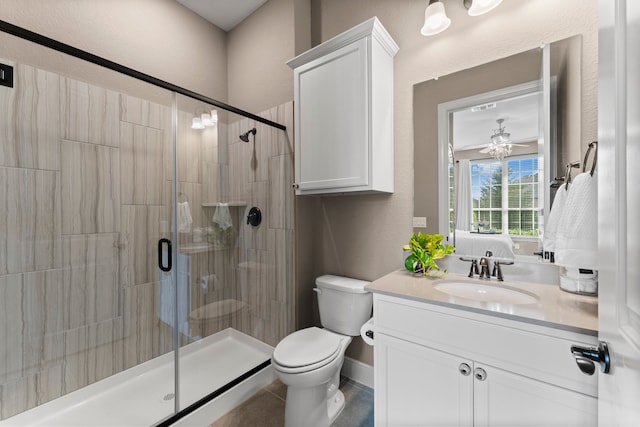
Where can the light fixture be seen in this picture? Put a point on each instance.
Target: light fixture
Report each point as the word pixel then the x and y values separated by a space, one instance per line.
pixel 196 123
pixel 500 145
pixel 436 19
pixel 206 119
pixel 480 7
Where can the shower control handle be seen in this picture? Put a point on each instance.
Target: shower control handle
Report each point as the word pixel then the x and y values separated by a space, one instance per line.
pixel 161 265
pixel 255 217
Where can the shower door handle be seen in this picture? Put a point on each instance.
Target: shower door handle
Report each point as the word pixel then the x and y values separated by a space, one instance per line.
pixel 161 265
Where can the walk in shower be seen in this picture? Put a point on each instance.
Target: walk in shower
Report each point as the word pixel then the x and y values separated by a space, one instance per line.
pixel 132 284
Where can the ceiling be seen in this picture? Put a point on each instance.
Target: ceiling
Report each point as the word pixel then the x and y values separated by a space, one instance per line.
pixel 225 14
pixel 474 129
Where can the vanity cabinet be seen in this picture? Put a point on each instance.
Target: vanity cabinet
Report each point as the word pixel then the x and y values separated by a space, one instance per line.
pixel 437 366
pixel 343 113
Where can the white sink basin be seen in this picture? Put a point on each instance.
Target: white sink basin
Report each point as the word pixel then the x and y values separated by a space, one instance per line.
pixel 486 292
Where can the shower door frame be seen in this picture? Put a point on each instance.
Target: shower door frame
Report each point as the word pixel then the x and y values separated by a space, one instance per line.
pixel 58 46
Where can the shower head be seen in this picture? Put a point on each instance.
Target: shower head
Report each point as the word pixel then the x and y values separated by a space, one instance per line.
pixel 245 136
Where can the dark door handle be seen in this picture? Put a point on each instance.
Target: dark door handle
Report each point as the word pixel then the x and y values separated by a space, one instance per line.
pixel 586 356
pixel 163 267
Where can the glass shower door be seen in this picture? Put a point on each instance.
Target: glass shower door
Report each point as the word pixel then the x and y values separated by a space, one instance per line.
pixel 86 172
pixel 235 245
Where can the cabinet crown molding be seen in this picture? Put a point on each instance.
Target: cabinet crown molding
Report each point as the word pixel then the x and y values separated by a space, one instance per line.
pixel 372 27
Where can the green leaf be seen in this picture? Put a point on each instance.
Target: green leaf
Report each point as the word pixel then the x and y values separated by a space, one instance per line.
pixel 425 249
pixel 410 262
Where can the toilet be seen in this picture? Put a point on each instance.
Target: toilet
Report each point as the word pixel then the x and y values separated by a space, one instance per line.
pixel 308 361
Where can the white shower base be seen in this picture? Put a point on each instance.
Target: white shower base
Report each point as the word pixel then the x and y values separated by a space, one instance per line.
pixel 142 395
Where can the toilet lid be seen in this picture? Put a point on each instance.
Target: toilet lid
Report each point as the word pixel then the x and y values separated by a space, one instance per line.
pixel 306 347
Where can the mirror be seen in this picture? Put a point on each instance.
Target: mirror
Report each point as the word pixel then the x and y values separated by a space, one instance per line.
pixel 495 144
pixel 498 126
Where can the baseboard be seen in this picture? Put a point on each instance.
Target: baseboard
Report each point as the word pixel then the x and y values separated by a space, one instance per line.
pixel 358 371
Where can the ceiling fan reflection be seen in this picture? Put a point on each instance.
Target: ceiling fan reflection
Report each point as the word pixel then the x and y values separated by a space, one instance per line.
pixel 501 144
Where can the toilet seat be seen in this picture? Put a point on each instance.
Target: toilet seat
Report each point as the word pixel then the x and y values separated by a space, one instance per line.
pixel 306 350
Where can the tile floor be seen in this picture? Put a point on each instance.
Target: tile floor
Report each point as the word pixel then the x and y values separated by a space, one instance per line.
pixel 266 408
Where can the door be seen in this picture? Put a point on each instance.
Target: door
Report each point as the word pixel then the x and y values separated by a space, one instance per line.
pixel 422 387
pixel 331 137
pixel 619 203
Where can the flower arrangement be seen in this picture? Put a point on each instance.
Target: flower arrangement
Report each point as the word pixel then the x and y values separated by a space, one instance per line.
pixel 425 250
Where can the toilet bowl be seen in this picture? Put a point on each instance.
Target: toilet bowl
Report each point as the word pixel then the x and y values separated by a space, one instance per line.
pixel 309 361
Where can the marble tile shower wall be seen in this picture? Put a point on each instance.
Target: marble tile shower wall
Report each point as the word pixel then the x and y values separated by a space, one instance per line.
pixel 83 171
pixel 260 173
pixel 86 174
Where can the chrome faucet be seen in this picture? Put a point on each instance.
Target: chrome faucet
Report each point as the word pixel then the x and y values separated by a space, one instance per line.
pixel 484 264
pixel 474 267
pixel 497 271
pixel 484 268
pixel 483 271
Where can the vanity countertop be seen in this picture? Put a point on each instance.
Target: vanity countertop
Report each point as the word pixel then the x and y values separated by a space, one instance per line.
pixel 555 308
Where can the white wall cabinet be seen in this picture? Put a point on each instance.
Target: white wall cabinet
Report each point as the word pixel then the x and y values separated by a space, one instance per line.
pixel 432 372
pixel 343 113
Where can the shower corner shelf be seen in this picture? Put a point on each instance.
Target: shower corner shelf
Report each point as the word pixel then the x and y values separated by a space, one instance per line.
pixel 199 248
pixel 230 204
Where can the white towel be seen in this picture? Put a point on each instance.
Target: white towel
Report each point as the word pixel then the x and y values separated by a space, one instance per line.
pixel 577 233
pixel 477 244
pixel 551 228
pixel 184 217
pixel 222 217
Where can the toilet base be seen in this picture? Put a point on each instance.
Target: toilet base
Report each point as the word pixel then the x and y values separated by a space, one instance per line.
pixel 335 406
pixel 311 407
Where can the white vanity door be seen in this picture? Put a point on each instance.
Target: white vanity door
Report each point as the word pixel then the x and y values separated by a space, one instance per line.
pixel 502 398
pixel 419 386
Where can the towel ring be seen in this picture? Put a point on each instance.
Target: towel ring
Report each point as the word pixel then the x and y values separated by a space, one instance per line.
pixel 593 145
pixel 567 173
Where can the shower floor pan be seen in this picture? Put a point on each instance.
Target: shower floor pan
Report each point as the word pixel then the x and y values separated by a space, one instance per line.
pixel 144 394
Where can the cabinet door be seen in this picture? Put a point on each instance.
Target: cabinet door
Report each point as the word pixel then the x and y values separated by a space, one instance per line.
pixel 418 386
pixel 332 141
pixel 505 399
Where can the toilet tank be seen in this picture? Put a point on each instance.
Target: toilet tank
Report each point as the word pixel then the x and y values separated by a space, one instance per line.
pixel 344 304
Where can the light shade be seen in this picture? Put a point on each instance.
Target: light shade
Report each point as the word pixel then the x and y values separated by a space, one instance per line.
pixel 499 150
pixel 480 7
pixel 435 19
pixel 205 118
pixel 196 123
pixel 209 119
